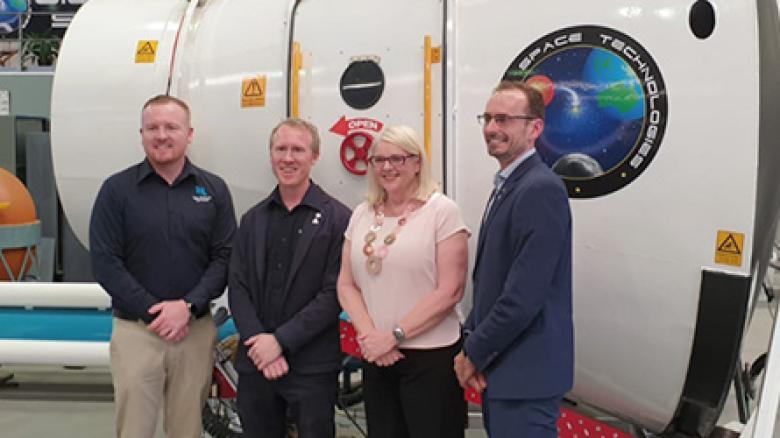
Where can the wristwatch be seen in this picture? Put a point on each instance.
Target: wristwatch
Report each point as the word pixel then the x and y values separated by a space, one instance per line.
pixel 398 333
pixel 191 308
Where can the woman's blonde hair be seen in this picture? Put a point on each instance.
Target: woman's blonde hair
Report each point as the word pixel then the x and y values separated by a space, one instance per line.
pixel 405 138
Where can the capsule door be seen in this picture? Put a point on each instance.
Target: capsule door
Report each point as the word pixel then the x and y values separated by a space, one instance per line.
pixel 353 72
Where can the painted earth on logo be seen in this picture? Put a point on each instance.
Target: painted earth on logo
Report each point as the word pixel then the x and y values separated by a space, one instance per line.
pixel 595 110
pixel 10 18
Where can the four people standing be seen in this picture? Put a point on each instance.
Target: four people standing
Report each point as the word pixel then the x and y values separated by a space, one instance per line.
pixel 399 268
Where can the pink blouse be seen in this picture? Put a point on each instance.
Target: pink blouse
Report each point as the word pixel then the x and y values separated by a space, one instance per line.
pixel 409 269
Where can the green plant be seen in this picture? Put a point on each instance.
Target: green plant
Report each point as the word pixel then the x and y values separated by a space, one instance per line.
pixel 40 48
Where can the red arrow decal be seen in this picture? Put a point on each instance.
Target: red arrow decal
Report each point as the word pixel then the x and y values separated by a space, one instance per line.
pixel 340 127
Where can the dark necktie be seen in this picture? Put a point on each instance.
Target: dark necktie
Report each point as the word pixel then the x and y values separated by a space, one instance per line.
pixel 489 206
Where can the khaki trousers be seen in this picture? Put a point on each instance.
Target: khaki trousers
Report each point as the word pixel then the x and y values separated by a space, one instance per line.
pixel 150 373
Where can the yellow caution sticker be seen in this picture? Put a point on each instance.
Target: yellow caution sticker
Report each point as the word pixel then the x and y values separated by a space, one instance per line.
pixel 436 55
pixel 146 51
pixel 729 248
pixel 253 92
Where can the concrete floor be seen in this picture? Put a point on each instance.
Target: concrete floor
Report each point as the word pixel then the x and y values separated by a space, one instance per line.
pixel 51 402
pixel 76 403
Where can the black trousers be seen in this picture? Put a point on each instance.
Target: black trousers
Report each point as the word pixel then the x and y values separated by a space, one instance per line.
pixel 417 397
pixel 263 405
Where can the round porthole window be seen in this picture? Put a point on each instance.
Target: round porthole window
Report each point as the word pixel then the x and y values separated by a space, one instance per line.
pixel 702 19
pixel 362 84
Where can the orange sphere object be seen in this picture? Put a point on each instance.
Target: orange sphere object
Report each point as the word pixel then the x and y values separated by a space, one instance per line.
pixel 16 208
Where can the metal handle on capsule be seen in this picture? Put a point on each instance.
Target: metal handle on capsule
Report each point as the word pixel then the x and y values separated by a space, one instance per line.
pixel 297 63
pixel 432 55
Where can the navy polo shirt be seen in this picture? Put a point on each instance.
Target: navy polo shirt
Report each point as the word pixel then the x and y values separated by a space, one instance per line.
pixel 150 241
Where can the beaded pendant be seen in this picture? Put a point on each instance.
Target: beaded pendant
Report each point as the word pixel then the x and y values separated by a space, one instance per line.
pixel 374 257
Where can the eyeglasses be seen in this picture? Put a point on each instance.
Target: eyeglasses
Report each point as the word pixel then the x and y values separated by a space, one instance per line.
pixel 501 119
pixel 395 160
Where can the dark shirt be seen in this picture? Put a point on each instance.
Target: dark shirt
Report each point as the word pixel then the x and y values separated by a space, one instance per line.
pixel 282 233
pixel 151 241
pixel 304 314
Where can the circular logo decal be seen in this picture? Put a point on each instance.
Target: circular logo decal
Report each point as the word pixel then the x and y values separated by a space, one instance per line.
pixel 606 106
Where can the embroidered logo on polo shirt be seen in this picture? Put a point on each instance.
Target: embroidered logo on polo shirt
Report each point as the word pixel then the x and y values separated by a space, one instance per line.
pixel 201 195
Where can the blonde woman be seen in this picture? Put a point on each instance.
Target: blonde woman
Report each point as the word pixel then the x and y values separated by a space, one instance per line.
pixel 403 271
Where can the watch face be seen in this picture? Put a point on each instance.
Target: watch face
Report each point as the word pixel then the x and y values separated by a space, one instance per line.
pixel 398 332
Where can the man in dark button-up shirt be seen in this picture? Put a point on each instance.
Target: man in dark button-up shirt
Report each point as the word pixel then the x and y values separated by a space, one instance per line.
pixel 282 287
pixel 281 240
pixel 160 239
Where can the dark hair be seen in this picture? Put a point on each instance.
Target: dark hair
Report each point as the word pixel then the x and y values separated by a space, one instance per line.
pixel 534 96
pixel 294 122
pixel 162 99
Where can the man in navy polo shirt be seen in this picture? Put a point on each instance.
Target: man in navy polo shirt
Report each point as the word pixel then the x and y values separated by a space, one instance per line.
pixel 160 239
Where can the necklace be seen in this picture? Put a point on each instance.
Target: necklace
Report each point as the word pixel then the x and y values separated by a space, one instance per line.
pixel 375 257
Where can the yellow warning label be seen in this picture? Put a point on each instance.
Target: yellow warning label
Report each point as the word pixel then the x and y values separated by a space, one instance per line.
pixel 436 55
pixel 253 92
pixel 729 248
pixel 145 51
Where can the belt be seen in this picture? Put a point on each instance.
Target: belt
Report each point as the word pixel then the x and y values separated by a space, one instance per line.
pixel 128 316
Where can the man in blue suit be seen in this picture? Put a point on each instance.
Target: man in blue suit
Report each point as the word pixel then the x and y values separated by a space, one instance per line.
pixel 519 350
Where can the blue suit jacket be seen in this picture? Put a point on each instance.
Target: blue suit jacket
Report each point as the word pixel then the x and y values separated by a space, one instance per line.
pixel 308 328
pixel 520 331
